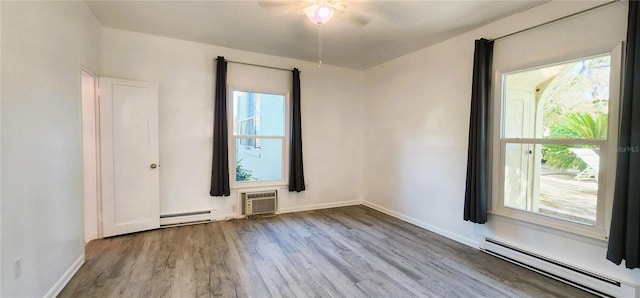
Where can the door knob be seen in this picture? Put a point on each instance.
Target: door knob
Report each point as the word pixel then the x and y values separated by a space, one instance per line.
pixel 153 165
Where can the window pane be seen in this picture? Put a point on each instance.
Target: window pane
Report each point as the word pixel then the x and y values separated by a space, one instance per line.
pixel 566 101
pixel 258 159
pixel 555 180
pixel 258 114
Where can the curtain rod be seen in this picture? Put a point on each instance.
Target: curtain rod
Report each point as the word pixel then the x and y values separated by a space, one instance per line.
pixel 258 65
pixel 556 20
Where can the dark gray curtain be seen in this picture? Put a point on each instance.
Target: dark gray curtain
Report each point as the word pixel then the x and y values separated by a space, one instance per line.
pixel 624 236
pixel 475 199
pixel 220 164
pixel 296 173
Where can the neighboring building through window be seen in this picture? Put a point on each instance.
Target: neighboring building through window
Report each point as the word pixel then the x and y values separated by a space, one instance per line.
pixel 258 136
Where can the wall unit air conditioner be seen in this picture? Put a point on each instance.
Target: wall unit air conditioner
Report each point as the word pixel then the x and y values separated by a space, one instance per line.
pixel 259 202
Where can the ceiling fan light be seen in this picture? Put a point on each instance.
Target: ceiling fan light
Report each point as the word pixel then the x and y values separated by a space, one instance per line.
pixel 319 14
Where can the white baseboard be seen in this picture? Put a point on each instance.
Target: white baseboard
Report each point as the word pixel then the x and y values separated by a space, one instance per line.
pixel 320 206
pixel 65 278
pixel 445 233
pixel 227 216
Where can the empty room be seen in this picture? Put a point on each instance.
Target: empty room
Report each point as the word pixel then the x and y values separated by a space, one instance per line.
pixel 319 148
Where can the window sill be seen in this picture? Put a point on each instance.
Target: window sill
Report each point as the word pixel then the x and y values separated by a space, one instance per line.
pixel 266 186
pixel 594 235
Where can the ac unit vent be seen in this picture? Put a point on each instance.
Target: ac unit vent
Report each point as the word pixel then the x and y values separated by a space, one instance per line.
pixel 259 202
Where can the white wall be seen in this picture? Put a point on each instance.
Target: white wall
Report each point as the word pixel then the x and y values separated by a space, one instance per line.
pixel 0 151
pixel 416 123
pixel 331 113
pixel 44 46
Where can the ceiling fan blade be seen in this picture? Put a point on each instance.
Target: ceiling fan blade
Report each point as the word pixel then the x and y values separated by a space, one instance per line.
pixel 280 4
pixel 337 5
pixel 357 18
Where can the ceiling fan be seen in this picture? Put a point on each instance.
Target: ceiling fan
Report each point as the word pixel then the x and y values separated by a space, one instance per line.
pixel 318 12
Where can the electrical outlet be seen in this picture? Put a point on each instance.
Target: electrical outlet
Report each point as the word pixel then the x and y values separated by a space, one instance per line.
pixel 234 207
pixel 17 268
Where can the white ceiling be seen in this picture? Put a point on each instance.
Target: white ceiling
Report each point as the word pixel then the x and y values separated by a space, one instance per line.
pixel 396 28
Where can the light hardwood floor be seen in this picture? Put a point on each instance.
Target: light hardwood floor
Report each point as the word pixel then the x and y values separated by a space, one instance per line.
pixel 341 252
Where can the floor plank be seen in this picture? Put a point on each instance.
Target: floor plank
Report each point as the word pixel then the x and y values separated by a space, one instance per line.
pixel 340 252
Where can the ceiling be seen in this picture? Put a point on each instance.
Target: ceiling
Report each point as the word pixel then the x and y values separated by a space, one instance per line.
pixel 396 27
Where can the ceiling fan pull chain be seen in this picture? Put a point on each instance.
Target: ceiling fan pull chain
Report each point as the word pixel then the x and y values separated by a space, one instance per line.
pixel 319 45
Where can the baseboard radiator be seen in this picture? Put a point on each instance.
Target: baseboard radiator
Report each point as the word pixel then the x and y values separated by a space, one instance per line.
pixel 591 282
pixel 262 202
pixel 187 218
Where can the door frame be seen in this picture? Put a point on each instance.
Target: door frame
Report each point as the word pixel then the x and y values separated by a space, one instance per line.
pixel 96 171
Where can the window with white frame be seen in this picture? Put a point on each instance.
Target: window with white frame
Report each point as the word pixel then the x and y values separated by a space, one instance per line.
pixel 557 143
pixel 258 141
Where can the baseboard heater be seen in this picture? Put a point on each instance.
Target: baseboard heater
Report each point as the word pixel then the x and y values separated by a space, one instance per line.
pixel 591 282
pixel 187 218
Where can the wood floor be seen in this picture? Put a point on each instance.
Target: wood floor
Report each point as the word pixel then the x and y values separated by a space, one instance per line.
pixel 341 252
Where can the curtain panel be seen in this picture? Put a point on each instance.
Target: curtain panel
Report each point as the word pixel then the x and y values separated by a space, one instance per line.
pixel 296 173
pixel 476 193
pixel 220 162
pixel 624 234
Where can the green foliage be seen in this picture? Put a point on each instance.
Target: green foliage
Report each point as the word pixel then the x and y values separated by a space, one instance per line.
pixel 579 125
pixel 243 174
pixel 559 157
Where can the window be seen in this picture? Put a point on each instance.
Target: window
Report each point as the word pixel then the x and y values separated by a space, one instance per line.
pixel 258 138
pixel 557 139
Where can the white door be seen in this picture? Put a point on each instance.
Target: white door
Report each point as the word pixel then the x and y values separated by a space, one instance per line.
pixel 518 157
pixel 129 156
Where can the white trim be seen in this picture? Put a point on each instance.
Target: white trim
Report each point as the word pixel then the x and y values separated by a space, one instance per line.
pixel 243 188
pixel 97 200
pixel 100 233
pixel 560 232
pixel 65 278
pixel 227 216
pixel 533 218
pixel 319 206
pixel 455 237
pixel 600 142
pixel 0 146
